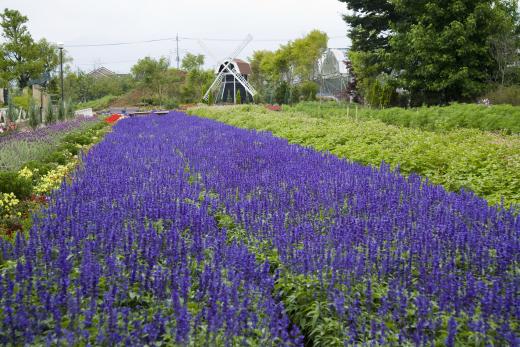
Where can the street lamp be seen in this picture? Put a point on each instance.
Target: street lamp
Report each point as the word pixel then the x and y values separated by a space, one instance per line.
pixel 60 46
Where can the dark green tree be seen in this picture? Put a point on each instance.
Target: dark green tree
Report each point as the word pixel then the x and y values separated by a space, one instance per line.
pixel 445 55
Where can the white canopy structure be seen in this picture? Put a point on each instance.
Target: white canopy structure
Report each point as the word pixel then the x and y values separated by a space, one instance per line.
pixel 333 74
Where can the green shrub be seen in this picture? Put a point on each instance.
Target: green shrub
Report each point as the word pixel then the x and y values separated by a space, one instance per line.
pixel 21 101
pixel 308 90
pixel 40 168
pixel 49 115
pixel 505 95
pixel 58 157
pixel 11 182
pixel 97 104
pixel 61 112
pixel 33 116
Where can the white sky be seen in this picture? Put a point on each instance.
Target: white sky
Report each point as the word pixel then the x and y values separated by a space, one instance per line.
pixel 76 22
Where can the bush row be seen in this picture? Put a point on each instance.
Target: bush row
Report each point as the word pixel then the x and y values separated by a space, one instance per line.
pixel 504 118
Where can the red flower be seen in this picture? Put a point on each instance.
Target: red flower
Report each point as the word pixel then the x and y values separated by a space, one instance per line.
pixel 113 118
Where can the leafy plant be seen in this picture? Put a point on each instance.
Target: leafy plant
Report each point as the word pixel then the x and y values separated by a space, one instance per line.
pixel 49 116
pixel 33 116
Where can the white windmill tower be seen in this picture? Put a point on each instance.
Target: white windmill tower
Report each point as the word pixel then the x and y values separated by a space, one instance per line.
pixel 232 77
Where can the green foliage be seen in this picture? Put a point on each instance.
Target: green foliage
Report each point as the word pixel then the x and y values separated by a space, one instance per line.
pixel 61 112
pixel 438 52
pixel 505 95
pixel 21 101
pixel 238 97
pixel 379 93
pixel 493 118
pixel 21 58
pixel 97 104
pixel 192 62
pixel 486 163
pixel 281 69
pixel 33 116
pixel 307 91
pixel 11 182
pixel 11 111
pixel 69 109
pixel 49 115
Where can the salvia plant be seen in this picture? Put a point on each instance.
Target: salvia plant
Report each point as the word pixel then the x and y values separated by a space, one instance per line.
pixel 178 230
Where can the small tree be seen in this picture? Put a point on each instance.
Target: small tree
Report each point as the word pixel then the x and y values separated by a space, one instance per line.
pixel 211 99
pixel 238 97
pixel 11 111
pixel 69 110
pixel 229 96
pixel 61 112
pixel 33 116
pixel 49 117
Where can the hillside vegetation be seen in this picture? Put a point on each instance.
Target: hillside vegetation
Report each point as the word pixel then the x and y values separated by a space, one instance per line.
pixel 484 162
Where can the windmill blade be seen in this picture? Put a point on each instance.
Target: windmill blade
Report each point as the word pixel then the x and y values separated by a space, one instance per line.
pixel 241 47
pixel 225 68
pixel 217 81
pixel 208 51
pixel 249 88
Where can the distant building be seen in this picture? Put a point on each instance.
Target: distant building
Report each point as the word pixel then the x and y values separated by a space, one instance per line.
pixel 333 75
pixel 101 72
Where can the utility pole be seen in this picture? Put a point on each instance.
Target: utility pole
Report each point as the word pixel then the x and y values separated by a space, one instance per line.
pixel 60 46
pixel 178 58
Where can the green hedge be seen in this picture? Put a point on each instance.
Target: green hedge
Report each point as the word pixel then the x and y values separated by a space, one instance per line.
pixel 487 118
pixel 486 163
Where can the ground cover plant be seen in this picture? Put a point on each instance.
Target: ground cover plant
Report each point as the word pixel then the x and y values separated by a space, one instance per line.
pixel 499 118
pixel 182 230
pixel 486 163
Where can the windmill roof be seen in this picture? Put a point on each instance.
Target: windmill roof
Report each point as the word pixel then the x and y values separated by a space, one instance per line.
pixel 242 66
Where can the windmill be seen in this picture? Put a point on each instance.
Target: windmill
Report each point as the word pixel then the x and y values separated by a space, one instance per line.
pixel 232 75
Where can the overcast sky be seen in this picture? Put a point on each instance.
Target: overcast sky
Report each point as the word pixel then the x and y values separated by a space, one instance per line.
pixel 76 22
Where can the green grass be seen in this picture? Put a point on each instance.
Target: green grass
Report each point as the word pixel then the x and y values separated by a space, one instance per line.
pixel 505 118
pixel 484 162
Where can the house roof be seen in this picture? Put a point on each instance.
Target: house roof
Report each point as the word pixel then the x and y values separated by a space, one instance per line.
pixel 101 72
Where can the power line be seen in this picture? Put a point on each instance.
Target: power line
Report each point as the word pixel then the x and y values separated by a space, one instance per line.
pixel 125 43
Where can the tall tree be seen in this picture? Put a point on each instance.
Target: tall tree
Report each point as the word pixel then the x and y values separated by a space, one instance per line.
pixel 438 50
pixel 444 55
pixel 152 73
pixel 292 63
pixel 192 62
pixel 21 58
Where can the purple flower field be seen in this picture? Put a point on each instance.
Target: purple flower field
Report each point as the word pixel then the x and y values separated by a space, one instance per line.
pixel 179 230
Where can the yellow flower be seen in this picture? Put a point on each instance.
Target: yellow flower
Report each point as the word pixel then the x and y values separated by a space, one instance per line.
pixel 25 173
